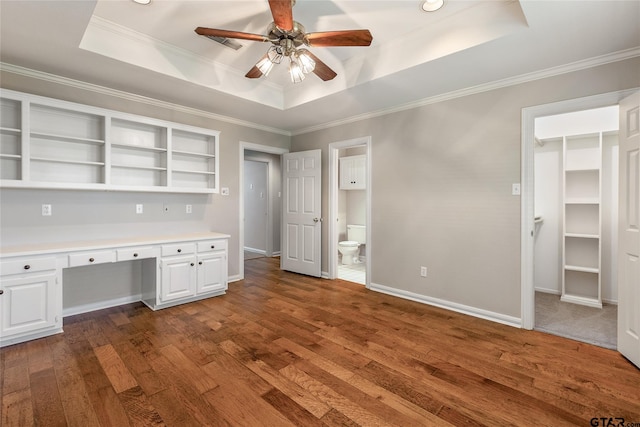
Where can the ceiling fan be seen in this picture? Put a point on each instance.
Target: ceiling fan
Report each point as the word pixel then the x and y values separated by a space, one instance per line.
pixel 289 39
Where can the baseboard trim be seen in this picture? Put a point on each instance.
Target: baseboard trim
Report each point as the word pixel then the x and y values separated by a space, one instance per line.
pixel 548 291
pixel 234 278
pixel 448 305
pixel 85 308
pixel 255 251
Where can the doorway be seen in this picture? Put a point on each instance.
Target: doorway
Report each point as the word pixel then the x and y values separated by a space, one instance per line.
pixel 576 235
pixel 350 208
pixel 528 206
pixel 251 235
pixel 257 215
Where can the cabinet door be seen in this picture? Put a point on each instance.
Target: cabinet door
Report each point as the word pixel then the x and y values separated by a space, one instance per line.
pixel 212 272
pixel 178 278
pixel 28 304
pixel 352 173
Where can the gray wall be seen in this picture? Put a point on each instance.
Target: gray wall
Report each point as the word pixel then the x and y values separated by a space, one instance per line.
pixel 86 215
pixel 441 187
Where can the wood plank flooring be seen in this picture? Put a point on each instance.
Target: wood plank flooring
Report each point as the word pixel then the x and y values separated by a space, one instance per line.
pixel 287 350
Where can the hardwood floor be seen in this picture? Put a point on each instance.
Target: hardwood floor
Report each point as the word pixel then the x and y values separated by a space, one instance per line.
pixel 282 349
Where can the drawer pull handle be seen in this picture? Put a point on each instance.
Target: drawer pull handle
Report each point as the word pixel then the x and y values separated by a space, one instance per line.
pixel 91 259
pixel 179 250
pixel 192 264
pixel 1 291
pixel 213 246
pixel 200 263
pixel 26 267
pixel 135 255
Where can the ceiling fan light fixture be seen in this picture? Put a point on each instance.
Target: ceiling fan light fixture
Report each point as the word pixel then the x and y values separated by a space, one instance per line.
pixel 304 59
pixel 295 70
pixel 432 5
pixel 265 65
pixel 275 54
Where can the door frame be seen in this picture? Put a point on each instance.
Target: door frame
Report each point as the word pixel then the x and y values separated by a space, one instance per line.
pixel 527 208
pixel 332 239
pixel 262 149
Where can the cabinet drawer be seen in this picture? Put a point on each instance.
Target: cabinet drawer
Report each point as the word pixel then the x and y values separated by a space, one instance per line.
pixel 128 254
pixel 27 265
pixel 91 257
pixel 178 249
pixel 212 245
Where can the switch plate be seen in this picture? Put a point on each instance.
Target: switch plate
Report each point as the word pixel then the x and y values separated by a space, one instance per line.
pixel 139 209
pixel 46 210
pixel 225 191
pixel 423 271
pixel 189 209
pixel 515 189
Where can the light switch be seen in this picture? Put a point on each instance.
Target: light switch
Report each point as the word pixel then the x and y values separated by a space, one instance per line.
pixel 515 189
pixel 139 209
pixel 225 191
pixel 46 210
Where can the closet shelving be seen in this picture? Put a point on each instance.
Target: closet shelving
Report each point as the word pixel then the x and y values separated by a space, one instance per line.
pixel 48 143
pixel 582 225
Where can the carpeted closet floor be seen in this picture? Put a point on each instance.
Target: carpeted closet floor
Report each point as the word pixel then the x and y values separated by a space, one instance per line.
pixel 592 325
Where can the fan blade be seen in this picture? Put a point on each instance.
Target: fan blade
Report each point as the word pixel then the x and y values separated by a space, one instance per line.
pixel 255 72
pixel 339 38
pixel 282 13
pixel 213 32
pixel 322 70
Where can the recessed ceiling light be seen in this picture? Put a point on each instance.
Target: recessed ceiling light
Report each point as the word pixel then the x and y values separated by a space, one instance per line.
pixel 142 1
pixel 432 5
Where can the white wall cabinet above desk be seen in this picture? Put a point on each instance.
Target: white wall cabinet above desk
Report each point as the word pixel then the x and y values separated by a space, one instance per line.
pixel 48 143
pixel 174 270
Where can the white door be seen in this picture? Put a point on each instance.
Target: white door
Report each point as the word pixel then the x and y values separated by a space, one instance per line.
pixel 629 230
pixel 301 221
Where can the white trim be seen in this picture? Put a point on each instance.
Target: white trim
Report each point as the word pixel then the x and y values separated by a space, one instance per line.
pixel 511 81
pixel 255 251
pixel 52 78
pixel 529 115
pixel 101 305
pixel 333 204
pixel 269 221
pixel 448 305
pixel 253 147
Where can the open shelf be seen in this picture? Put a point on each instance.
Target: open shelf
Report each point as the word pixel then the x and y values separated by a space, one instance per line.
pixel 582 219
pixel 60 144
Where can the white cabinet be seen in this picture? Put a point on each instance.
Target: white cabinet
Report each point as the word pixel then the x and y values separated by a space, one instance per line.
pixel 48 143
pixel 353 172
pixel 189 270
pixel 173 271
pixel 582 225
pixel 30 299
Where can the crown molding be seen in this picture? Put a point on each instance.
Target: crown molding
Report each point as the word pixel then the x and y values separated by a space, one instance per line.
pixel 65 81
pixel 511 81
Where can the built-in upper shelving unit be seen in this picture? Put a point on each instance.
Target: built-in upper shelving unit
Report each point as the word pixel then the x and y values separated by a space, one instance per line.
pixel 48 143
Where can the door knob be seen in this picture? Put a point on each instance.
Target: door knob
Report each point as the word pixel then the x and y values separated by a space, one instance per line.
pixel 315 220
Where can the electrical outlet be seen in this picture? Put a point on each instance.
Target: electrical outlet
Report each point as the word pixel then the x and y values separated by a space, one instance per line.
pixel 515 189
pixel 139 209
pixel 189 209
pixel 423 271
pixel 46 210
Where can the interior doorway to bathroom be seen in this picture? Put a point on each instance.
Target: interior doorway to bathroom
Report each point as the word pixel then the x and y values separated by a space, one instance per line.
pixel 350 209
pixel 576 235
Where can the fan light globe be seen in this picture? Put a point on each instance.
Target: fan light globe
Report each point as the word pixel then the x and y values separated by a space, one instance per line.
pixel 265 65
pixel 305 60
pixel 296 71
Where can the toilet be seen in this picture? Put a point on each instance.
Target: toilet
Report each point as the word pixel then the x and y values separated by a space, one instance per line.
pixel 350 249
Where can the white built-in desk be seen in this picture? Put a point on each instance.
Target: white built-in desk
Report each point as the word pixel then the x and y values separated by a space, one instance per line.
pixel 175 270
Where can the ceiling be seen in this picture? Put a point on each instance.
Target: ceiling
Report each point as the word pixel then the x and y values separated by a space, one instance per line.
pixel 153 51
